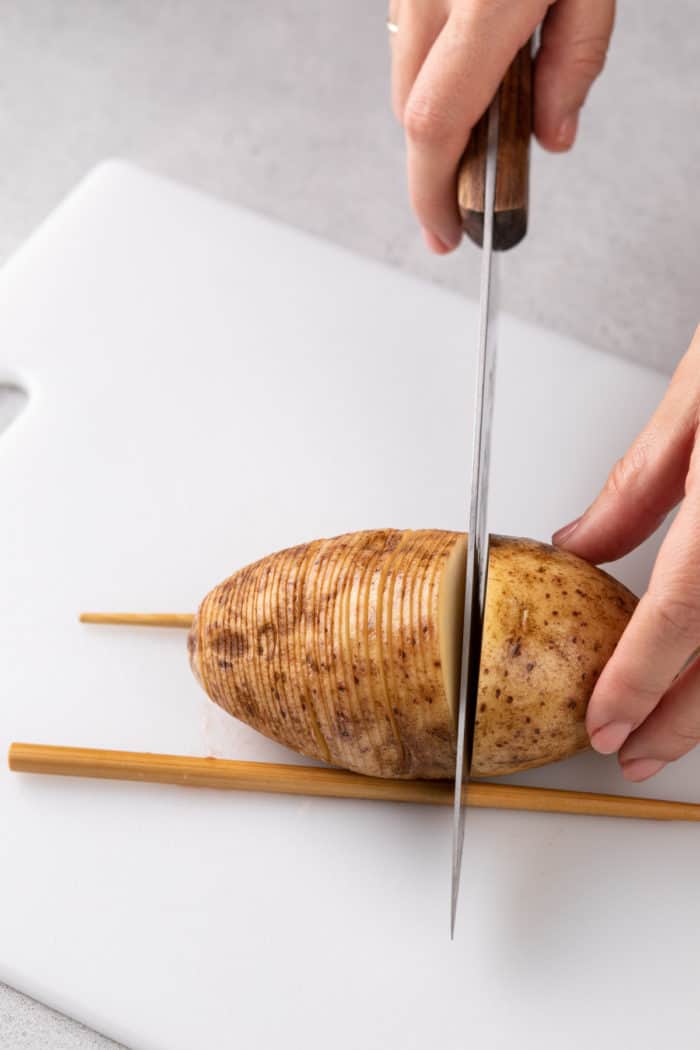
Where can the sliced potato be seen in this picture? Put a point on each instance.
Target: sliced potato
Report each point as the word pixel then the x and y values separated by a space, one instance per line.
pixel 349 650
pixel 551 624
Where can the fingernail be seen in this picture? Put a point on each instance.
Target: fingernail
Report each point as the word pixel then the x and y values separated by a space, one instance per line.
pixel 567 130
pixel 565 533
pixel 436 244
pixel 641 768
pixel 610 737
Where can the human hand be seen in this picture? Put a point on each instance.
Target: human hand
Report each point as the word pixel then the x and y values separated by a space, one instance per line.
pixel 448 58
pixel 646 703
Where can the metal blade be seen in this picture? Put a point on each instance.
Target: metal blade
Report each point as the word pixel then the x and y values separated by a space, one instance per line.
pixel 477 546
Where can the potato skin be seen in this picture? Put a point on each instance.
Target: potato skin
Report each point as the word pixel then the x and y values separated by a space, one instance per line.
pixel 333 649
pixel 552 622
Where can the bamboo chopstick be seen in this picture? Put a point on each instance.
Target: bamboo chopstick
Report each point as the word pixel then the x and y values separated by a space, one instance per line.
pixel 327 783
pixel 139 619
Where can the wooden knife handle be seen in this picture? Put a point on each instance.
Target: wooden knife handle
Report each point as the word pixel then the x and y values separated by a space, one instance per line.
pixel 512 176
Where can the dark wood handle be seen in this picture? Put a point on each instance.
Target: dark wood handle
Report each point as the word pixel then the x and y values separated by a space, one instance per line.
pixel 512 177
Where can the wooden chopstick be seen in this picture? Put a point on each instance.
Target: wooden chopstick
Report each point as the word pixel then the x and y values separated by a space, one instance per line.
pixel 327 783
pixel 139 619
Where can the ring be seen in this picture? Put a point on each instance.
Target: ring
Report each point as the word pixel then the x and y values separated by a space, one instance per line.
pixel 392 26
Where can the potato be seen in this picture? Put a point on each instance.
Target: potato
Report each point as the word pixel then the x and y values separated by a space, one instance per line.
pixel 550 625
pixel 348 650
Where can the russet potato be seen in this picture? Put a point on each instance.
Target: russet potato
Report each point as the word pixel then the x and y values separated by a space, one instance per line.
pixel 348 650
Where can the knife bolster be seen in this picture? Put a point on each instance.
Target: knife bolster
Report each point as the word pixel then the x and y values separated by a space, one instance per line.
pixel 509 227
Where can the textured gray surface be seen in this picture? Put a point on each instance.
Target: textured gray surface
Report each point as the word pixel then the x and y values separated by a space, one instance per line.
pixel 26 1025
pixel 283 107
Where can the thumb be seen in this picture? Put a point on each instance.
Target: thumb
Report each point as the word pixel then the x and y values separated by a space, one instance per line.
pixel 632 504
pixel 575 38
pixel 650 478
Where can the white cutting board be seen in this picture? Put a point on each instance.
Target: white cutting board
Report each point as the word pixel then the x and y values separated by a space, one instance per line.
pixel 207 386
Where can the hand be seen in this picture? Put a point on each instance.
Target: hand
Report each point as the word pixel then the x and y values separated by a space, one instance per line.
pixel 646 704
pixel 448 58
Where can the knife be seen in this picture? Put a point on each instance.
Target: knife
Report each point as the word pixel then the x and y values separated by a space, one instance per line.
pixel 493 202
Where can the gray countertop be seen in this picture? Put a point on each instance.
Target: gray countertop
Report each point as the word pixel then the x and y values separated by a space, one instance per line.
pixel 283 108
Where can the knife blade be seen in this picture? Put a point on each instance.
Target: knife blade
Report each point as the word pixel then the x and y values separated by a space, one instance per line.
pixel 477 543
pixel 493 201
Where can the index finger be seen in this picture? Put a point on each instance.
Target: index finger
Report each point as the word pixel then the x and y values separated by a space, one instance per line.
pixel 457 81
pixel 661 636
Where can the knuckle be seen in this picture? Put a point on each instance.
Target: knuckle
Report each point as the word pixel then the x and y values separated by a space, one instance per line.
pixel 425 123
pixel 623 695
pixel 585 56
pixel 617 479
pixel 687 733
pixel 628 694
pixel 464 17
pixel 588 56
pixel 626 471
pixel 678 617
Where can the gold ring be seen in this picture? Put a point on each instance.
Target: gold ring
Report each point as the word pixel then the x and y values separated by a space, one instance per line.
pixel 392 26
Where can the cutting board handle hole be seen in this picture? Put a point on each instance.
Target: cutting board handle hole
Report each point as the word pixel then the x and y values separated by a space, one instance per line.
pixel 13 401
